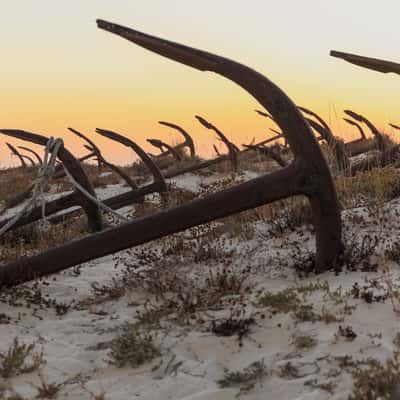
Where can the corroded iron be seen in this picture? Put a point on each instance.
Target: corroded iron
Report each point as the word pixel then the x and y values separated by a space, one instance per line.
pixel 188 142
pixel 308 175
pixel 91 209
pixel 358 126
pixel 101 160
pixel 374 64
pixel 29 150
pixel 59 170
pixel 233 150
pixel 326 133
pixel 379 160
pixel 115 202
pixel 268 152
pixel 155 171
pixel 159 144
pixel 17 154
pixel 375 131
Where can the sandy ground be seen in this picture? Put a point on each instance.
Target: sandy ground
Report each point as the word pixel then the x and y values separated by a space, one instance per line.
pixel 193 359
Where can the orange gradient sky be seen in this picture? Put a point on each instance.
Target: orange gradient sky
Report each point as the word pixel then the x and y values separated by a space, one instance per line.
pixel 59 70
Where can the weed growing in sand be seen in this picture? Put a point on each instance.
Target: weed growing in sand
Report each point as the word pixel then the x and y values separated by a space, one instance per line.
pixel 304 342
pixel 284 301
pixel 133 348
pixel 377 381
pixel 19 359
pixel 246 379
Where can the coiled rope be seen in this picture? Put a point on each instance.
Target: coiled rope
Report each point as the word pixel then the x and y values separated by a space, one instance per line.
pixel 46 172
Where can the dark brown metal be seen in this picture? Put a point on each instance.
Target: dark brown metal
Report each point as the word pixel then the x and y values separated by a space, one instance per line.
pixel 113 168
pixel 379 160
pixel 368 62
pixel 102 161
pixel 188 139
pixel 395 126
pixel 94 147
pixel 233 150
pixel 216 150
pixel 29 150
pixel 24 156
pixel 264 114
pixel 159 144
pixel 17 153
pixel 326 133
pixel 308 174
pixel 91 209
pixel 155 171
pixel 266 141
pixel 375 131
pixel 267 151
pixel 358 126
pixel 59 170
pixel 134 196
pixel 337 148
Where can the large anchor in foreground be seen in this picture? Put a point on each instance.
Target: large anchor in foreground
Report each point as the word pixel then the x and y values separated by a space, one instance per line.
pixel 307 175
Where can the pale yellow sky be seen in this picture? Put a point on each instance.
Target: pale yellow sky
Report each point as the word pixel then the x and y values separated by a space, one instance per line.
pixel 59 70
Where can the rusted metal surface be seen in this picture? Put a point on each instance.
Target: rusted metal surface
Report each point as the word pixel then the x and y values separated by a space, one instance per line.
pixel 91 209
pixel 29 150
pixel 101 160
pixel 308 174
pixel 155 171
pixel 188 142
pixel 266 115
pixel 374 64
pixel 216 150
pixel 17 154
pixel 115 202
pixel 375 131
pixel 59 170
pixel 266 141
pixel 358 126
pixel 119 171
pixel 361 145
pixel 233 150
pixel 25 157
pixel 134 196
pixel 325 131
pixel 337 148
pixel 159 144
pixel 380 160
pixel 90 142
pixel 269 153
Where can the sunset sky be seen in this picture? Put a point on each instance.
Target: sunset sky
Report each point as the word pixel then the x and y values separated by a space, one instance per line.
pixel 58 69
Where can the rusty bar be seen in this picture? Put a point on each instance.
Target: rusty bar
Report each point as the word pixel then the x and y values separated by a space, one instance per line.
pixel 323 197
pixel 16 153
pixel 374 64
pixel 233 150
pixel 269 153
pixel 337 148
pixel 91 209
pixel 159 144
pixel 308 174
pixel 155 171
pixel 358 126
pixel 113 167
pixel 375 131
pixel 29 150
pixel 188 139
